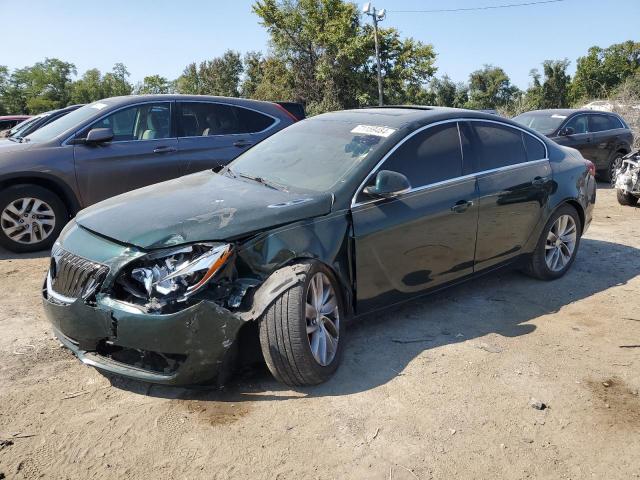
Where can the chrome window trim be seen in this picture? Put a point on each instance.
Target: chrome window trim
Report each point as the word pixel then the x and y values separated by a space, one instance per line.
pixel 273 125
pixel 376 168
pixel 115 111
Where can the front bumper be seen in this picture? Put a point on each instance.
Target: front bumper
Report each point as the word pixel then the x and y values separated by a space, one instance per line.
pixel 195 341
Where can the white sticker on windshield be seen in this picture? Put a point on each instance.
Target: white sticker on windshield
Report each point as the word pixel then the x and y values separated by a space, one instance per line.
pixel 373 130
pixel 98 106
pixel 555 115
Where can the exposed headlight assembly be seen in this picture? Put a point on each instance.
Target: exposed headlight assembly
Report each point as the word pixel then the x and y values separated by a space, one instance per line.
pixel 174 274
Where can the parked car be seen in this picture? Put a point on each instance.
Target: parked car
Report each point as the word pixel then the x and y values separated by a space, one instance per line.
pixel 7 122
pixel 334 217
pixel 38 121
pixel 602 137
pixel 116 145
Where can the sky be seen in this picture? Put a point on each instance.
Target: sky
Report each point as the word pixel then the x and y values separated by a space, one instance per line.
pixel 162 37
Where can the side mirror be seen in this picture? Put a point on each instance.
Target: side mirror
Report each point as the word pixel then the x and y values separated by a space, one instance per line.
pixel 388 185
pixel 566 131
pixel 99 135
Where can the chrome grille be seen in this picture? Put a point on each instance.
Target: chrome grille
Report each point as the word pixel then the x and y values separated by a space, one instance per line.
pixel 73 276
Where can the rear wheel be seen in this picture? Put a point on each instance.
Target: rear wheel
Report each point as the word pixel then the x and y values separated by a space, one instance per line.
pixel 558 244
pixel 626 199
pixel 302 332
pixel 31 218
pixel 614 165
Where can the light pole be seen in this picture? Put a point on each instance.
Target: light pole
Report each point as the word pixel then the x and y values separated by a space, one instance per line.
pixel 377 16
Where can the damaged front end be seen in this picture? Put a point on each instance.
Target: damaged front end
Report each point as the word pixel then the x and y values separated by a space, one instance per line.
pixel 628 175
pixel 162 316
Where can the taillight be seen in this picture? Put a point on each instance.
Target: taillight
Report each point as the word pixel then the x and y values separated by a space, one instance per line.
pixel 591 167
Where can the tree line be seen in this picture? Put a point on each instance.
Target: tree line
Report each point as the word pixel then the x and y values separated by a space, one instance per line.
pixel 321 54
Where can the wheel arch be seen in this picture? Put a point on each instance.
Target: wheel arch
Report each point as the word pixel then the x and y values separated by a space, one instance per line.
pixel 575 204
pixel 45 181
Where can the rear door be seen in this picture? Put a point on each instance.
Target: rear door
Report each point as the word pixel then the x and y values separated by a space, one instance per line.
pixel 423 238
pixel 144 151
pixel 514 180
pixel 211 134
pixel 605 139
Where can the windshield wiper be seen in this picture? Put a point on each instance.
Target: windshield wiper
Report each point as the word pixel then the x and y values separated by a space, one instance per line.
pixel 261 180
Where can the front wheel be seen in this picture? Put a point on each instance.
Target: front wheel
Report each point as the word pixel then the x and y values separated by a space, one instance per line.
pixel 302 331
pixel 31 218
pixel 558 245
pixel 626 198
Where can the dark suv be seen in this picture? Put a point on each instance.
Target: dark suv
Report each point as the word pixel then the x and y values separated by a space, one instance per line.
pixel 602 137
pixel 116 145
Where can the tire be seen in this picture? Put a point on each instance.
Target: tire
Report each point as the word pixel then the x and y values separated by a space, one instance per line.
pixel 626 199
pixel 612 166
pixel 284 339
pixel 538 266
pixel 46 223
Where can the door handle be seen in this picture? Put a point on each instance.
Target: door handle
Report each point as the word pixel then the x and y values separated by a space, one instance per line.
pixel 538 181
pixel 164 149
pixel 461 206
pixel 242 143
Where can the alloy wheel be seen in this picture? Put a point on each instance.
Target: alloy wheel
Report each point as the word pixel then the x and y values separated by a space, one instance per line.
pixel 613 170
pixel 323 319
pixel 27 220
pixel 561 243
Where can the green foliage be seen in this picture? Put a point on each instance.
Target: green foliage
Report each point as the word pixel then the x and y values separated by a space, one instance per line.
pixel 603 69
pixel 218 76
pixel 326 56
pixel 446 93
pixel 153 85
pixel 490 88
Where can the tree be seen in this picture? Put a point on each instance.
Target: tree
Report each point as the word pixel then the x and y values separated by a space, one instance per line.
pixel 328 56
pixel 603 69
pixel 153 84
pixel 218 76
pixel 555 89
pixel 446 93
pixel 267 79
pixel 116 83
pixel 490 88
pixel 93 86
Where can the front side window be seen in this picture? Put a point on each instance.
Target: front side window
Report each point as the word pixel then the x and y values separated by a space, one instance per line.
pixel 497 146
pixel 578 124
pixel 430 156
pixel 148 121
pixel 209 119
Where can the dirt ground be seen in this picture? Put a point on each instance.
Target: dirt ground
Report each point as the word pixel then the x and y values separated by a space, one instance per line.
pixel 439 388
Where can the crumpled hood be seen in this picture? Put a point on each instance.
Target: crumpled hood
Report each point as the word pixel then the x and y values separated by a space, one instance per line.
pixel 200 207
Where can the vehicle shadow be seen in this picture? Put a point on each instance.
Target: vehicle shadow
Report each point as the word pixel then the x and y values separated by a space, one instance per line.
pixel 380 346
pixel 7 255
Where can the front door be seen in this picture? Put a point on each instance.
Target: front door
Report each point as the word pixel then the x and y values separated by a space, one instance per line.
pixel 581 138
pixel 421 239
pixel 514 181
pixel 144 151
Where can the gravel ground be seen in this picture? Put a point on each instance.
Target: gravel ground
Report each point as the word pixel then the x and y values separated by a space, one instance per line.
pixel 439 388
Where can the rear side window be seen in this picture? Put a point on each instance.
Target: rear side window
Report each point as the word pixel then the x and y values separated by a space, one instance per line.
pixel 534 147
pixel 209 119
pixel 497 146
pixel 431 156
pixel 600 123
pixel 579 124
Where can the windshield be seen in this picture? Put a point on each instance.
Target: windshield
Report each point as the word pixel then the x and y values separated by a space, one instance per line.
pixel 314 154
pixel 22 125
pixel 545 124
pixel 64 123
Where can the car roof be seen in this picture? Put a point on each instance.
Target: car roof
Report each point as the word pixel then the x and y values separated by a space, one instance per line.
pixel 400 116
pixel 565 111
pixel 128 99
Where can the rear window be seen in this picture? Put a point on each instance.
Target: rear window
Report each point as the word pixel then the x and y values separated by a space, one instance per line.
pixel 207 119
pixel 497 146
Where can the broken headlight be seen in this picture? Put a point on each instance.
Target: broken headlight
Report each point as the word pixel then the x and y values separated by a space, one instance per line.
pixel 174 274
